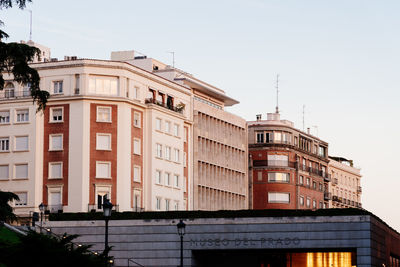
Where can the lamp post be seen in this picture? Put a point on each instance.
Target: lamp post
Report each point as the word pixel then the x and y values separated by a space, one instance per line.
pixel 107 207
pixel 41 208
pixel 181 231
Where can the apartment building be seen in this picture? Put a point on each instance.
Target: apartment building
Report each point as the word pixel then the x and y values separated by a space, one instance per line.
pixel 288 167
pixel 345 186
pixel 220 166
pixel 119 130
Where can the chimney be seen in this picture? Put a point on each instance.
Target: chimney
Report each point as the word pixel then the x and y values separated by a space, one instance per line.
pixel 308 130
pixel 258 116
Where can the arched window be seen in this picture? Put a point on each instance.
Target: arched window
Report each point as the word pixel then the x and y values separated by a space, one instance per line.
pixel 26 90
pixel 9 90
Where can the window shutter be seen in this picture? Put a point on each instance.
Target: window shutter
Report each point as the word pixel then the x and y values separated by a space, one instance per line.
pixel 21 171
pixel 55 170
pixel 55 198
pixel 103 142
pixel 21 143
pixel 4 172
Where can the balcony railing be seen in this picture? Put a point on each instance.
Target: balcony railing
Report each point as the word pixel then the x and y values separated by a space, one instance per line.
pixel 274 163
pixel 178 109
pixel 12 94
pixel 99 208
pixel 359 189
pixel 137 209
pixel 314 171
pixel 327 196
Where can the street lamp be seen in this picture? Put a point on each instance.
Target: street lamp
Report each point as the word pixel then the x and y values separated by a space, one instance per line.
pixel 41 208
pixel 107 207
pixel 181 232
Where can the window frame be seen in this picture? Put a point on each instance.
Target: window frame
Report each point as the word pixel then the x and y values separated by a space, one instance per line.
pixel 15 143
pixel 21 110
pixel 137 150
pixel 15 204
pixel 7 142
pixel 176 181
pixel 49 175
pixel 51 136
pixel 58 82
pixel 15 171
pixel 8 172
pixel 175 130
pixel 139 178
pixel 158 126
pixel 110 141
pixel 278 201
pixel 137 122
pixel 51 117
pixel 159 150
pixel 9 117
pixel 158 178
pixel 103 107
pixel 109 169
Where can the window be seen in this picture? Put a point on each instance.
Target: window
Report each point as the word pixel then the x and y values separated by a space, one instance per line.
pixel 4 117
pixel 185 184
pixel 301 179
pixel 322 151
pixel 260 137
pixel 55 170
pixel 137 200
pixel 168 127
pixel 136 174
pixel 103 85
pixel 259 177
pixel 158 177
pixel 58 87
pixel 103 141
pixel 158 150
pixel 158 203
pixel 23 199
pixel 167 153
pixel 308 202
pixel 185 133
pixel 314 185
pixel 176 129
pixel 56 141
pixel 301 201
pixel 314 204
pixel 167 204
pixel 9 90
pixel 274 197
pixel 103 194
pixel 103 169
pixel 136 119
pixel 4 144
pixel 184 159
pixel 167 180
pixel 136 146
pixel 4 172
pixel 21 143
pixel 103 114
pixel 56 114
pixel 136 92
pixel 321 205
pixel 21 171
pixel 321 188
pixel 278 160
pixel 277 136
pixel 158 124
pixel 176 180
pixel 279 177
pixel 22 115
pixel 176 155
pixel 308 182
pixel 176 205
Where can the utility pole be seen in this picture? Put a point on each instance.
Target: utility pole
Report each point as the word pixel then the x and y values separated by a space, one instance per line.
pixel 277 94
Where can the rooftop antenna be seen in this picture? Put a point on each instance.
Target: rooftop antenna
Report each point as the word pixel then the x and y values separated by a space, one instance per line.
pixel 277 93
pixel 304 108
pixel 173 58
pixel 30 32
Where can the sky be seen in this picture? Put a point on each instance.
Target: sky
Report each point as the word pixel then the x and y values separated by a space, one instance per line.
pixel 340 59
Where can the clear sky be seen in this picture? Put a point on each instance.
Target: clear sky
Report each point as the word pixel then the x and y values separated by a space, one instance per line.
pixel 338 58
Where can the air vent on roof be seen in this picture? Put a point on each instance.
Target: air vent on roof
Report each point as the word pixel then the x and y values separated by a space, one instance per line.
pixel 54 59
pixel 140 57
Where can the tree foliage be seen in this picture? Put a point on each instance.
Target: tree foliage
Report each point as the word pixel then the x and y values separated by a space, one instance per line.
pixel 6 211
pixel 14 58
pixel 36 249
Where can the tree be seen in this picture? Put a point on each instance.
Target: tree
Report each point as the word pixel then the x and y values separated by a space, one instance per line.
pixel 6 211
pixel 43 250
pixel 14 59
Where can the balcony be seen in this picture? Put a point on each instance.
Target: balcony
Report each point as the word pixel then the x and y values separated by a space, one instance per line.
pixel 53 209
pixel 274 163
pixel 12 94
pixel 327 196
pixel 99 208
pixel 359 189
pixel 178 108
pixel 335 198
pixel 326 176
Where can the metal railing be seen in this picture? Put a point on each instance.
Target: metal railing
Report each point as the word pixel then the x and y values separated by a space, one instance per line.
pixel 99 208
pixel 164 105
pixel 12 94
pixel 274 163
pixel 137 209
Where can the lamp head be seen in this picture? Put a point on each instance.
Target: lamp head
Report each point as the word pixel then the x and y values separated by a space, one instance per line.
pixel 107 207
pixel 181 228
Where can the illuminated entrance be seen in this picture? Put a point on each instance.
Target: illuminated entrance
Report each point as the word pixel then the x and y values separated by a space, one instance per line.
pixel 268 258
